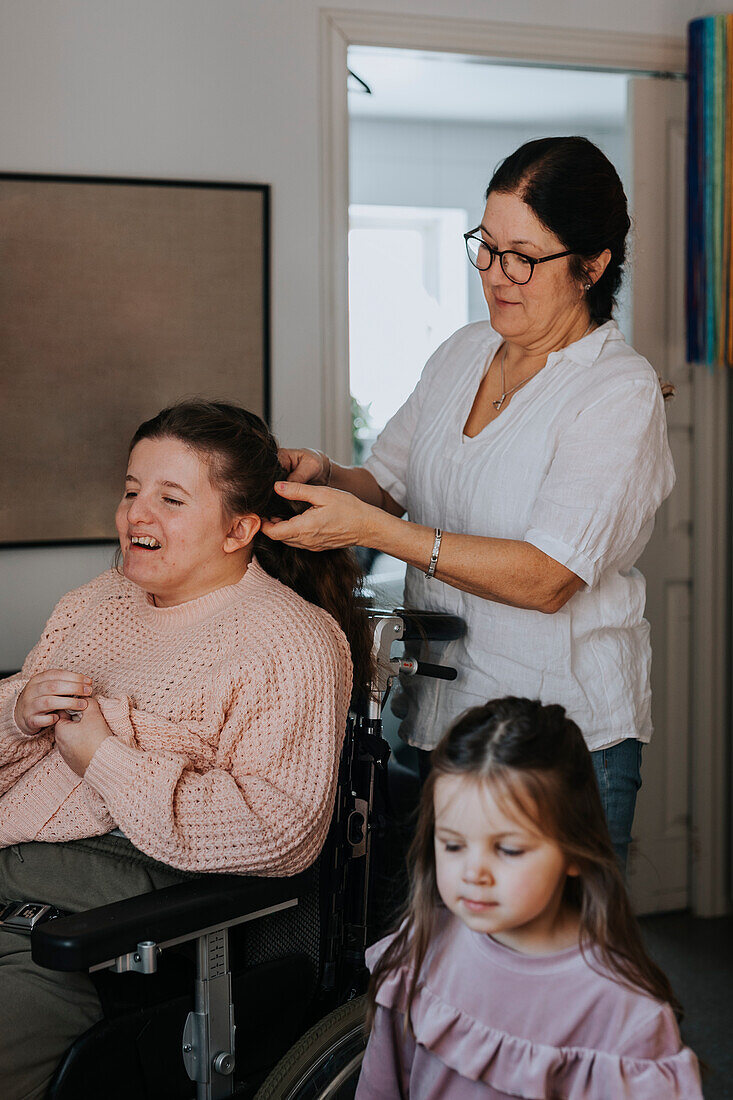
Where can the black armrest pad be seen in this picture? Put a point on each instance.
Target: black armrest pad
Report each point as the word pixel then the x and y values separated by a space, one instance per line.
pixel 430 625
pixel 82 940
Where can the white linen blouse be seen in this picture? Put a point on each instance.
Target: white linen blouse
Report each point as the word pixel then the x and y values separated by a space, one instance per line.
pixel 577 465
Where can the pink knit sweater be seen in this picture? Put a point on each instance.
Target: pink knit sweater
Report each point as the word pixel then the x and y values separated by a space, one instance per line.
pixel 228 714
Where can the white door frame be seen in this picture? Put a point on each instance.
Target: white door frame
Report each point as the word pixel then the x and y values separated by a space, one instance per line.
pixel 640 53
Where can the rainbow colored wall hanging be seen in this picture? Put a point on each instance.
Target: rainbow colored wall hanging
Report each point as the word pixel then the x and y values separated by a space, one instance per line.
pixel 710 192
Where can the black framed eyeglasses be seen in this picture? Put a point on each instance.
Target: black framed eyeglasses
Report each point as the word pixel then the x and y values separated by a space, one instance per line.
pixel 516 266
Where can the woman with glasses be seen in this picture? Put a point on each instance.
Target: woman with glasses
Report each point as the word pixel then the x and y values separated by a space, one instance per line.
pixel 530 459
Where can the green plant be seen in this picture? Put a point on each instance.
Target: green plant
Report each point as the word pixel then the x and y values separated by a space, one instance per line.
pixel 361 430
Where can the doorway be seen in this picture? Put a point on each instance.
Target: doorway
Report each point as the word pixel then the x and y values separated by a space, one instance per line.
pixel 643 55
pixel 426 132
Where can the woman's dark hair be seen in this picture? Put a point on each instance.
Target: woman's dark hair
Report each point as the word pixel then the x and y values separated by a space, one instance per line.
pixel 535 760
pixel 241 454
pixel 575 191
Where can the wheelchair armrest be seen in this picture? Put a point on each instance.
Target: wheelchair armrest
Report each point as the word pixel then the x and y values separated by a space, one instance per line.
pixel 434 626
pixel 171 915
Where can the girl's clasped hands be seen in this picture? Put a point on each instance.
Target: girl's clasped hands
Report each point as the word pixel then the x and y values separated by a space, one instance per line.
pixel 48 700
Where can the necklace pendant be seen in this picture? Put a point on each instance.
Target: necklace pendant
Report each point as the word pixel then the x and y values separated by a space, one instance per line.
pixel 497 404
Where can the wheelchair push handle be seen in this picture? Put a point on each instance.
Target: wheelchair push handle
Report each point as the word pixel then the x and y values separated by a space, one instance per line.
pixel 410 667
pixel 403 625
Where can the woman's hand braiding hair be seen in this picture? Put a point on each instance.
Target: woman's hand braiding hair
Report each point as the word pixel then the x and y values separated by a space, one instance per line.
pixel 305 465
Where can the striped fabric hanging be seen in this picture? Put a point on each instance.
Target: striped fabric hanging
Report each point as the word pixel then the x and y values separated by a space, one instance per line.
pixel 709 192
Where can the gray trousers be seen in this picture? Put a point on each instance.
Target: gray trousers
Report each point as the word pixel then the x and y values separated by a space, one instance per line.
pixel 43 1011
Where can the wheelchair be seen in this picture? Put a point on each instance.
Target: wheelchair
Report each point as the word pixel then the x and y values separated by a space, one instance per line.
pixel 239 986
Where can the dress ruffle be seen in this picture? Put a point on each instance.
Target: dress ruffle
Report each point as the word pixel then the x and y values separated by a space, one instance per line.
pixel 534 1071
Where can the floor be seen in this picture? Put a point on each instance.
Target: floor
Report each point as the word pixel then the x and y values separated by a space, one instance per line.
pixel 697 956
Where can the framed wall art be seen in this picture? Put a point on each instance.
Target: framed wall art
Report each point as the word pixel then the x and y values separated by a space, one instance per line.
pixel 117 297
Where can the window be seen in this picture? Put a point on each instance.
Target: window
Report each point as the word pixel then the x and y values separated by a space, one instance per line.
pixel 408 281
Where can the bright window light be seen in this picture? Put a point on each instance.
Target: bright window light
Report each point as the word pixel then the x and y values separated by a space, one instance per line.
pixel 408 284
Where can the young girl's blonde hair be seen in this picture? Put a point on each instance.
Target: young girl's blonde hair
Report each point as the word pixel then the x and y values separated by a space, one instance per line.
pixel 534 758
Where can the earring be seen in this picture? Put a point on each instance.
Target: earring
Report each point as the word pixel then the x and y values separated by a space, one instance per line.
pixel 587 286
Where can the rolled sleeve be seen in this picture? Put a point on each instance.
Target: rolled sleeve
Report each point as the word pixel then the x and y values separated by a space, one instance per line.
pixel 391 452
pixel 611 471
pixel 390 456
pixel 387 478
pixel 577 563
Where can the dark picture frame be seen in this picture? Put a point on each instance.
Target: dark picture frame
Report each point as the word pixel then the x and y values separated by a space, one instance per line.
pixel 118 297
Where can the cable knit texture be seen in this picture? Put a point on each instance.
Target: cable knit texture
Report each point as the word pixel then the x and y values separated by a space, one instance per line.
pixel 228 715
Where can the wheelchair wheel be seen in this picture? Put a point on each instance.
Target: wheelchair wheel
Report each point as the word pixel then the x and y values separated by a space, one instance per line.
pixel 325 1063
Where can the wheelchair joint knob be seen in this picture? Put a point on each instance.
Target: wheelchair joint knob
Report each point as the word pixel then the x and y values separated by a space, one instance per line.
pixel 223 1063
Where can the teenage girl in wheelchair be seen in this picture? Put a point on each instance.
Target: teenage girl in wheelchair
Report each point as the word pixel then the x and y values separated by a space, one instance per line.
pixel 180 715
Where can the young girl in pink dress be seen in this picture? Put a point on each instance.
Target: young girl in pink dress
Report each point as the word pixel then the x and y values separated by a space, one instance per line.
pixel 519 969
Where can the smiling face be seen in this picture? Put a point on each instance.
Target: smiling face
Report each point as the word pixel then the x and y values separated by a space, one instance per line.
pixel 535 314
pixel 176 542
pixel 496 871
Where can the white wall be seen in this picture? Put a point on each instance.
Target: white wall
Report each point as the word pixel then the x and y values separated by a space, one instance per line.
pixel 684 10
pixel 31 581
pixel 205 89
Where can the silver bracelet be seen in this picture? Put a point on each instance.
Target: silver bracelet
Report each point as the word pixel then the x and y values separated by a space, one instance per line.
pixel 434 556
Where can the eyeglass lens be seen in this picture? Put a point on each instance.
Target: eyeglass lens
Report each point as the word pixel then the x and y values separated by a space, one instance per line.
pixel 514 265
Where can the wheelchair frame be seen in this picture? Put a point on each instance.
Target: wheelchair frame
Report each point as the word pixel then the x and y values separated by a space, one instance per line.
pixel 131 934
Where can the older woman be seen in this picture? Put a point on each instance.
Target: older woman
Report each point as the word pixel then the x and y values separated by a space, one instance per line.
pixel 531 458
pixel 211 682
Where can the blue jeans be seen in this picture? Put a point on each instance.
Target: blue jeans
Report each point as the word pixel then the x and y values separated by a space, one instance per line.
pixel 618 774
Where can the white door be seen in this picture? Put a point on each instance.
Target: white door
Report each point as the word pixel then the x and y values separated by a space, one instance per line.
pixel 660 854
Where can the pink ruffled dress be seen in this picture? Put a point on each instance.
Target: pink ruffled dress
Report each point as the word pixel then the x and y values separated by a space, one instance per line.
pixel 492 1024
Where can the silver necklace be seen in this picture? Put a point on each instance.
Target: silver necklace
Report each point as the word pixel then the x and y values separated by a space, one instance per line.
pixel 507 393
